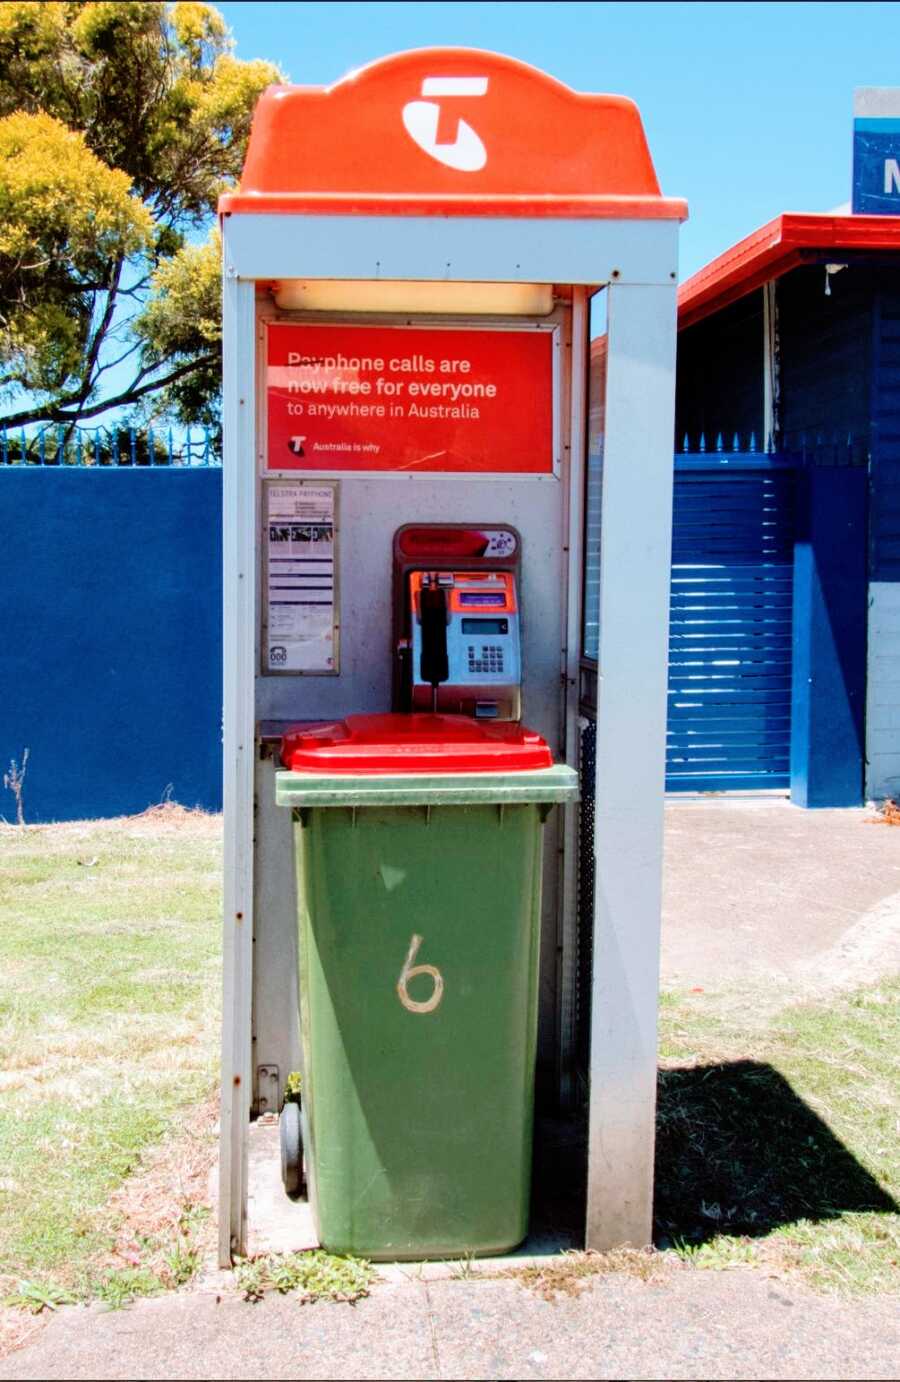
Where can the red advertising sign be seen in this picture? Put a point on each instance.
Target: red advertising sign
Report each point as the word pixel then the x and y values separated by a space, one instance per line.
pixel 398 398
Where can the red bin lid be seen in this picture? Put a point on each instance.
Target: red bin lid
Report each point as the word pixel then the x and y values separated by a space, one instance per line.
pixel 418 743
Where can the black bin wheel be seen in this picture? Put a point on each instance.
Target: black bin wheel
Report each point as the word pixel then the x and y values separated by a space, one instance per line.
pixel 291 1139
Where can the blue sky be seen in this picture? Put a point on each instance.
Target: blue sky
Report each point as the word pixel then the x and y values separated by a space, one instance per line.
pixel 747 107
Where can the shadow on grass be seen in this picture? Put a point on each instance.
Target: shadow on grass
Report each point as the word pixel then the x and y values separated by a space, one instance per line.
pixel 738 1152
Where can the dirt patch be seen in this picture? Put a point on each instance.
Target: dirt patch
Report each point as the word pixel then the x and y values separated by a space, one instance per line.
pixel 167 1203
pixel 571 1273
pixel 165 818
pixel 169 817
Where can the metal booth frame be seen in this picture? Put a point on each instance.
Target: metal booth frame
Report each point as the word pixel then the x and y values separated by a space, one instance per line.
pixel 517 221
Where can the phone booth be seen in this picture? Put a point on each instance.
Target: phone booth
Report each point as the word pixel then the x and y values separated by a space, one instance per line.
pixel 408 269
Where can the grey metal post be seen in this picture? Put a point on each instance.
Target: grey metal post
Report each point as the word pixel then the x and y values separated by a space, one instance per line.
pixel 631 726
pixel 239 587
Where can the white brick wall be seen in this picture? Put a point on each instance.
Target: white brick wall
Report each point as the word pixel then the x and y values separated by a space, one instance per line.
pixel 883 691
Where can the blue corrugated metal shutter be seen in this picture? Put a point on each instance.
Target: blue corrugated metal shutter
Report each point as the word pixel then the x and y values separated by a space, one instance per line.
pixel 729 726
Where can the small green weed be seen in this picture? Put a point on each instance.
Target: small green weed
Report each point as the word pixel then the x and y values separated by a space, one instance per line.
pixel 192 1216
pixel 292 1087
pixel 284 1275
pixel 314 1276
pixel 179 1258
pixel 182 1261
pixel 252 1277
pixel 36 1296
pixel 124 1285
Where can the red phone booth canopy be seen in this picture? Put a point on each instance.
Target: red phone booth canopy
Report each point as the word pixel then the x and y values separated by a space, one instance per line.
pixel 449 131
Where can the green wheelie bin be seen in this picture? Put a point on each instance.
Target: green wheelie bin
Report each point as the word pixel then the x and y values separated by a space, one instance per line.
pixel 418 845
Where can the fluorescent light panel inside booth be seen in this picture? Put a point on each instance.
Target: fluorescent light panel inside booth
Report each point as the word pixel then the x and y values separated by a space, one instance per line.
pixel 397 295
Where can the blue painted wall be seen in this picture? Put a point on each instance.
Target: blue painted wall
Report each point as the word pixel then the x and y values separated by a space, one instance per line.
pixel 826 362
pixel 885 434
pixel 111 655
pixel 826 372
pixel 718 385
pixel 829 672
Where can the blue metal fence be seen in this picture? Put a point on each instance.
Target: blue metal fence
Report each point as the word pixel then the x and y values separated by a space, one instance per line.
pixel 730 635
pixel 738 445
pixel 105 447
pixel 821 448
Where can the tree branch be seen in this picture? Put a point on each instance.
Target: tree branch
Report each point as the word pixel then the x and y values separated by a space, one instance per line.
pixel 114 364
pixel 52 412
pixel 103 326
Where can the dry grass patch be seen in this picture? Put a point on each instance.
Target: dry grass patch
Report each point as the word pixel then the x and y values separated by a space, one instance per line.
pixel 162 1215
pixel 571 1272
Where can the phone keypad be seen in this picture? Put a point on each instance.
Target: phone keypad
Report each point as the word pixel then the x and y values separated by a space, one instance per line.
pixel 486 659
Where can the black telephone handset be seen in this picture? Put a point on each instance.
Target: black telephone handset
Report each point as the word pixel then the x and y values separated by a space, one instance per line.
pixel 434 666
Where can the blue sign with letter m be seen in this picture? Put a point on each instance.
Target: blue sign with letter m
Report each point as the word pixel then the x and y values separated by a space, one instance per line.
pixel 876 166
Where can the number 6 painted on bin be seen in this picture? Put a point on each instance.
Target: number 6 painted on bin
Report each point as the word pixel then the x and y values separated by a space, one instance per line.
pixel 409 971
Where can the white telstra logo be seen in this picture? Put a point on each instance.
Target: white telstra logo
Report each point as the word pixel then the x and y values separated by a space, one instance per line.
pixel 467 153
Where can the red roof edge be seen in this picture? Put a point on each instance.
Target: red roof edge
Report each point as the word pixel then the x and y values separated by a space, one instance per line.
pixel 774 249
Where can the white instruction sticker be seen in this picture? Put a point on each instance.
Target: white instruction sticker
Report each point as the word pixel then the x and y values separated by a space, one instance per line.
pixel 300 577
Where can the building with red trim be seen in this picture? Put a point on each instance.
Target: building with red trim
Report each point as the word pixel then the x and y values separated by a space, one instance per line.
pixel 790 341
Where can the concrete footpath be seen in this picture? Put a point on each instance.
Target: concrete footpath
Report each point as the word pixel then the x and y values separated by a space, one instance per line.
pixel 763 903
pixel 759 894
pixel 690 1324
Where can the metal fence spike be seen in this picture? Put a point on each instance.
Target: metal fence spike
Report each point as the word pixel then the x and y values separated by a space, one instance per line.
pixel 59 444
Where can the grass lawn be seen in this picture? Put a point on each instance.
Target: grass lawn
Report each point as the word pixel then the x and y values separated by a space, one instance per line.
pixel 109 994
pixel 779 1139
pixel 778 1136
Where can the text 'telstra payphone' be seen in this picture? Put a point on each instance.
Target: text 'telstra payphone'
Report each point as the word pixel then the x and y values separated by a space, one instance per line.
pixel 457 620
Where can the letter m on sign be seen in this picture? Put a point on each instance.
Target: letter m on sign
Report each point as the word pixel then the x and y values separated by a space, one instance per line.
pixel 891 176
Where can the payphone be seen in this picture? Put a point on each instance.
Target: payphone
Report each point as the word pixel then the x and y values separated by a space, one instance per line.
pixel 465 644
pixel 457 620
